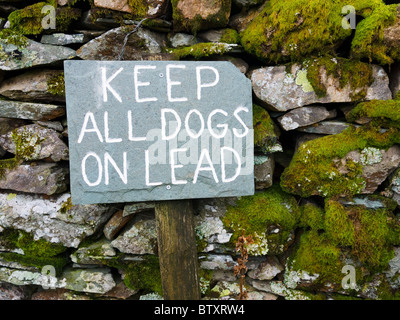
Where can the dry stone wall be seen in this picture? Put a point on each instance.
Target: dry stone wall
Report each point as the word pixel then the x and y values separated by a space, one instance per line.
pixel 325 218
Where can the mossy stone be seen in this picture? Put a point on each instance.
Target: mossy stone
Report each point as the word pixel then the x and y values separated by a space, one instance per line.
pixel 269 217
pixel 313 169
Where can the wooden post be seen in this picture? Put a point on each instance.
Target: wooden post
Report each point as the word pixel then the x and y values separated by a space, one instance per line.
pixel 177 250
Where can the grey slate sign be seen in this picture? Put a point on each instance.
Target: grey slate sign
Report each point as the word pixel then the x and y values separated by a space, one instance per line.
pixel 158 130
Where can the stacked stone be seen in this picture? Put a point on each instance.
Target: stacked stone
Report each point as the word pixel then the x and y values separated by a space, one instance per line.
pixel 327 156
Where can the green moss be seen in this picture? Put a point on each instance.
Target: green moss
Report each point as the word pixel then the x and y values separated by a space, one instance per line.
pixel 139 7
pixel 368 39
pixel 292 30
pixel 7 164
pixel 312 216
pixel 56 85
pixel 27 144
pixel 314 169
pixel 384 111
pixel 39 262
pixel 201 50
pixel 9 36
pixel 40 247
pixel 28 21
pixel 66 206
pixel 369 233
pixel 266 133
pixel 205 277
pixel 144 275
pixel 343 71
pixel 65 16
pixel 352 235
pixel 260 215
pixel 317 255
pixel 230 36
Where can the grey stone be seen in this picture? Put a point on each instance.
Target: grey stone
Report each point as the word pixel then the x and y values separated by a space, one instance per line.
pixel 263 171
pixel 394 269
pixel 32 86
pixel 55 125
pixel 326 127
pixel 25 277
pixel 133 208
pixel 211 230
pixel 139 43
pixel 95 253
pixel 52 219
pixel 43 178
pixel 33 54
pixel 96 280
pixel 280 90
pixel 267 270
pixel 212 35
pixel 304 116
pixel 62 39
pixel 182 40
pixel 30 111
pixel 368 202
pixel 42 143
pixel 377 165
pixel 140 237
pixel 216 262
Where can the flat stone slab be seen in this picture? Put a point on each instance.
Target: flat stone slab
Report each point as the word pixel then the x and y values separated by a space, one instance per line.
pixel 30 111
pixel 281 90
pixel 53 219
pixel 33 54
pixel 155 130
pixel 43 178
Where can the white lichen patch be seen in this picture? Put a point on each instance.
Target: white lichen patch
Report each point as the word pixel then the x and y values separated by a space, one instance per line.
pixel 370 156
pixel 211 229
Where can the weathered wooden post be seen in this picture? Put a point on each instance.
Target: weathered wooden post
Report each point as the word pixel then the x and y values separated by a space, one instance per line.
pixel 177 250
pixel 164 131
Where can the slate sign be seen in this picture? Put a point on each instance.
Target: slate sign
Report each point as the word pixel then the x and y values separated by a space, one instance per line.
pixel 158 130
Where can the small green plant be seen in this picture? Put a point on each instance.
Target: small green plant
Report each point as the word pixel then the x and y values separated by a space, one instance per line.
pixel 241 268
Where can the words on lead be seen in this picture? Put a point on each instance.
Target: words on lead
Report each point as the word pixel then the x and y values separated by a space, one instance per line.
pixel 158 130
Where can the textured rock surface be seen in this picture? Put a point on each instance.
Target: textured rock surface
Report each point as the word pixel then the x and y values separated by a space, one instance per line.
pixel 34 54
pixel 32 86
pixel 194 15
pixel 42 178
pixel 304 116
pixel 50 219
pixel 140 44
pixel 283 91
pixel 46 143
pixel 303 236
pixel 30 110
